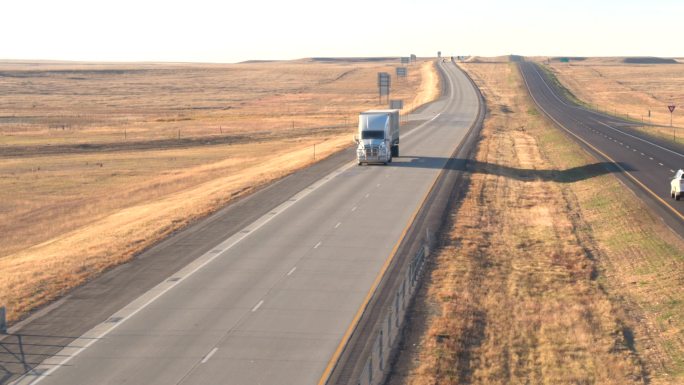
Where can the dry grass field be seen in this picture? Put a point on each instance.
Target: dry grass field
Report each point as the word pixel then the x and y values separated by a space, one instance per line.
pixel 78 197
pixel 629 90
pixel 547 275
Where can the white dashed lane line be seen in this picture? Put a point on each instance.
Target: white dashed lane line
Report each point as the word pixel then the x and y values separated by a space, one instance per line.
pixel 318 244
pixel 208 356
pixel 255 308
pixel 289 273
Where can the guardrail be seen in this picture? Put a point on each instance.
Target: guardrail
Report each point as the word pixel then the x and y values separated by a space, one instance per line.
pixel 367 358
pixel 391 324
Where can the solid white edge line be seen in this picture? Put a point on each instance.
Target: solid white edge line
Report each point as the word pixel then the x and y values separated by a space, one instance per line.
pixel 637 138
pixel 78 345
pixel 604 124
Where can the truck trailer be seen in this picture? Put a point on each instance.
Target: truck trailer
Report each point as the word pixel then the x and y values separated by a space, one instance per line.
pixel 378 136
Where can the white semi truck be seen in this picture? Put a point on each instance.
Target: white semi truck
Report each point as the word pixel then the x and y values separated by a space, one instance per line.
pixel 378 137
pixel 677 185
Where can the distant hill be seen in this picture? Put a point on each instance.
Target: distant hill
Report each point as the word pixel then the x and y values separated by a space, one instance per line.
pixel 354 59
pixel 648 60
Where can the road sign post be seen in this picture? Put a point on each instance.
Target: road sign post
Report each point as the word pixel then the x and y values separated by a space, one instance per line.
pixel 671 107
pixel 383 85
pixel 396 104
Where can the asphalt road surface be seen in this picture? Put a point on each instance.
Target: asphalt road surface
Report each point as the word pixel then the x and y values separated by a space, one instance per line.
pixel 271 303
pixel 643 163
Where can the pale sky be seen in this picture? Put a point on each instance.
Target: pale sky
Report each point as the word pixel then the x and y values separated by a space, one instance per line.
pixel 232 31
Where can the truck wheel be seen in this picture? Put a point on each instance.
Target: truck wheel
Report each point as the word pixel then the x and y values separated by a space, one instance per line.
pixel 677 196
pixel 395 150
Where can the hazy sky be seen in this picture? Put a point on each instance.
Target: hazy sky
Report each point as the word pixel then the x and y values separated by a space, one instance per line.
pixel 230 31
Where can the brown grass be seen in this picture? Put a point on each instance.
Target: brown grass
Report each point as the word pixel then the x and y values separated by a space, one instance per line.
pixel 629 90
pixel 533 285
pixel 67 217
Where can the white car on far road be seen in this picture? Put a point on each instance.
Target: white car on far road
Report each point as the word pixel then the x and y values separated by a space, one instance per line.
pixel 676 185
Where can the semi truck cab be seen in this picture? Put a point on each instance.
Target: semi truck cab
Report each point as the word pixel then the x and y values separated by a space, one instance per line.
pixel 378 136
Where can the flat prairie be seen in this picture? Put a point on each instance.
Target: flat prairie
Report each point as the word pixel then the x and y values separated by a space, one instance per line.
pixel 99 161
pixel 619 86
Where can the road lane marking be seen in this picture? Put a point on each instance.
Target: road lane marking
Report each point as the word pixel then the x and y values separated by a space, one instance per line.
pixel 625 172
pixel 650 158
pixel 338 224
pixel 377 185
pixel 347 335
pixel 353 208
pixel 367 195
pixel 661 164
pixel 255 308
pixel 289 273
pixel 642 154
pixel 638 138
pixel 98 332
pixel 318 244
pixel 208 356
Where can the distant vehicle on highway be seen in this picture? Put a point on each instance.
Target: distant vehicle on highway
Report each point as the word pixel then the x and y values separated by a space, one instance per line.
pixel 676 185
pixel 378 137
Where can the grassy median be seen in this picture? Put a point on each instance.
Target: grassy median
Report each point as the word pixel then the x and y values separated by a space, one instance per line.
pixel 550 273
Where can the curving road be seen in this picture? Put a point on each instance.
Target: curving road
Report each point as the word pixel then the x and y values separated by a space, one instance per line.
pixel 274 302
pixel 643 163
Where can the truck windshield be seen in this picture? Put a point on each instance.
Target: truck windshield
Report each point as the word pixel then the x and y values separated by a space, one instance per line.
pixel 372 135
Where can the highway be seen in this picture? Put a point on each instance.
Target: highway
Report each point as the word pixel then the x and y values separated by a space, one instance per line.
pixel 274 302
pixel 643 163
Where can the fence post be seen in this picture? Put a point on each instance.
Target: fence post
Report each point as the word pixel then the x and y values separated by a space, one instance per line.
pixel 3 320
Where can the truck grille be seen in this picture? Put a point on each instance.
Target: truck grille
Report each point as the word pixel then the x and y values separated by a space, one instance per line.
pixel 372 151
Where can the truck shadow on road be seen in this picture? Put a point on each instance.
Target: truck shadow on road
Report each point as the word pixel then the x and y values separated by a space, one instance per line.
pixel 570 175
